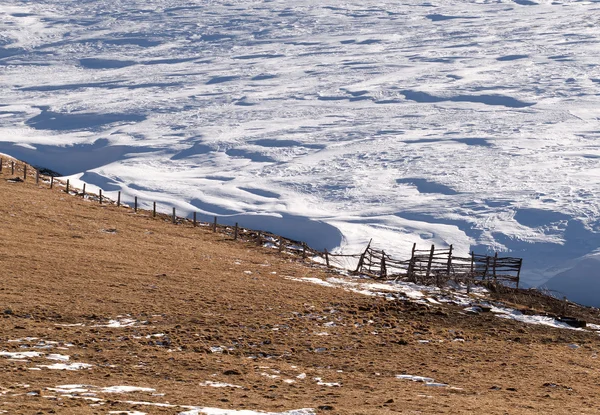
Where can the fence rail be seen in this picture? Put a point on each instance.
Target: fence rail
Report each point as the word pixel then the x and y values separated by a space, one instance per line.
pixel 426 266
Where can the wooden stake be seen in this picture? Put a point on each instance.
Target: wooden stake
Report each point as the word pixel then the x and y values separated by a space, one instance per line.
pixel 235 232
pixel 215 225
pixel 449 266
pixel 135 204
pixel 100 196
pixel 487 267
pixel 84 190
pixel 259 239
pixel 383 271
pixel 411 265
pixel 303 249
pixel 361 260
pixel 472 262
pixel 12 167
pixel 67 189
pixel 494 266
pixel 195 223
pixel 154 209
pixel 24 171
pixel 1 161
pixel 37 176
pixel 280 244
pixel 119 199
pixel 174 217
pixel 326 257
pixel 51 181
pixel 430 261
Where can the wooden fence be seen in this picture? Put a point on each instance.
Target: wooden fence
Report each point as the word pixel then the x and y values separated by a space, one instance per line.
pixel 425 266
pixel 436 266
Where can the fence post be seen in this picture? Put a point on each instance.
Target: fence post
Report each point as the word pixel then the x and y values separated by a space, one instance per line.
pixel 259 239
pixel 153 208
pixel 361 260
pixel 215 225
pixel 472 262
pixel 519 271
pixel 67 188
pixel 119 199
pixel 174 217
pixel 195 223
pixel 84 190
pixel 326 258
pixel 24 171
pixel 487 267
pixel 37 176
pixel 1 161
pixel 280 244
pixel 135 204
pixel 235 232
pixel 449 267
pixel 303 249
pixel 411 265
pixel 51 181
pixel 100 196
pixel 494 266
pixel 383 272
pixel 12 167
pixel 430 261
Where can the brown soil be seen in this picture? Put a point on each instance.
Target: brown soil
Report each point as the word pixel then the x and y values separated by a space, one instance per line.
pixel 68 261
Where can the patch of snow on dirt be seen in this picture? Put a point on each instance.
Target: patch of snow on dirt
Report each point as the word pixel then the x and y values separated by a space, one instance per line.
pixel 425 380
pixel 218 384
pixel 452 293
pixel 61 357
pixel 20 355
pixel 64 366
pixel 329 384
pixel 125 389
pixel 217 411
pixel 512 314
pixel 119 322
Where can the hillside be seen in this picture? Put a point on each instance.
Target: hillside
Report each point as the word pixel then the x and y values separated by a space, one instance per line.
pixel 108 311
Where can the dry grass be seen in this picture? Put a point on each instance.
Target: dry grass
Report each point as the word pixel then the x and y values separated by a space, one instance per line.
pixel 61 267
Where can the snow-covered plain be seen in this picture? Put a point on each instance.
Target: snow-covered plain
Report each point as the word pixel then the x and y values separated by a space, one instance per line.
pixel 472 123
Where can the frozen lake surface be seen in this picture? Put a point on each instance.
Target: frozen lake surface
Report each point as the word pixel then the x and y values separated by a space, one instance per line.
pixel 472 123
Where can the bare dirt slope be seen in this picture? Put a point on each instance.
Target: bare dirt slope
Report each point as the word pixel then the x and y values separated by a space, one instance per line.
pixel 150 304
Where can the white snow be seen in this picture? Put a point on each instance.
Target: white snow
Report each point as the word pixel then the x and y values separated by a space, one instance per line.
pixel 20 355
pixel 120 322
pixel 65 366
pixel 217 411
pixel 125 389
pixel 61 357
pixel 328 384
pixel 218 384
pixel 512 314
pixel 22 340
pixel 425 380
pixel 79 389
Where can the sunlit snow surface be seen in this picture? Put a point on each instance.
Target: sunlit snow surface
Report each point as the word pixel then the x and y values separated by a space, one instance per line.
pixel 464 122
